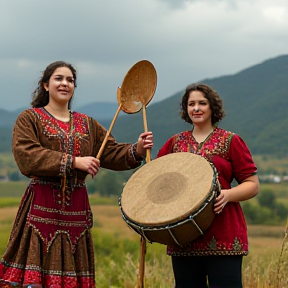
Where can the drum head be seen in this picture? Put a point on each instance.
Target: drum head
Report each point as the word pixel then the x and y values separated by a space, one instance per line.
pixel 167 189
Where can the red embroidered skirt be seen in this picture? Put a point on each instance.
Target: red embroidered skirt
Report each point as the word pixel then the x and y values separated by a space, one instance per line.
pixel 50 244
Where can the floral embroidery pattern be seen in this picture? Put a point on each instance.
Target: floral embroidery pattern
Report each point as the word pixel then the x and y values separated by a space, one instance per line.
pixel 34 274
pixel 213 244
pixel 55 128
pixel 237 245
pixel 216 144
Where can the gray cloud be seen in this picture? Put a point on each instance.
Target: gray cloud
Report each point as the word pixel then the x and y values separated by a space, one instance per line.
pixel 185 40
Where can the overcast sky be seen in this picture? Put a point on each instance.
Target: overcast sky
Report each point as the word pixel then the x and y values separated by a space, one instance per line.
pixel 186 41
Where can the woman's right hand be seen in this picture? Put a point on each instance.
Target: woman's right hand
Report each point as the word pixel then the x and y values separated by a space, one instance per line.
pixel 88 164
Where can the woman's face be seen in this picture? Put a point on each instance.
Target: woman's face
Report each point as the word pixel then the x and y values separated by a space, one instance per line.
pixel 60 86
pixel 198 108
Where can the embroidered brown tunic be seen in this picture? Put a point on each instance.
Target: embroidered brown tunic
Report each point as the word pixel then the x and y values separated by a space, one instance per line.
pixel 50 243
pixel 232 159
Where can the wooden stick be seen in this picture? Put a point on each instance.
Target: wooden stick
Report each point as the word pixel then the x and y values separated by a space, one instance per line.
pixel 108 133
pixel 140 283
pixel 148 152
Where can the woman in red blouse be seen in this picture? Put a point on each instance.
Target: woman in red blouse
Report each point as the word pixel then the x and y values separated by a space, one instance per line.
pixel 214 259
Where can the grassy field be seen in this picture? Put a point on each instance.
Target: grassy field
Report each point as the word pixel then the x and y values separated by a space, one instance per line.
pixel 12 188
pixel 117 248
pixel 117 251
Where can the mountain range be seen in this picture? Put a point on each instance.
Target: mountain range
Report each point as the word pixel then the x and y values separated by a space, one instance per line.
pixel 255 101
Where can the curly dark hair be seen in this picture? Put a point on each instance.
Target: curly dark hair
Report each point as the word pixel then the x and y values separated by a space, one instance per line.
pixel 211 95
pixel 40 97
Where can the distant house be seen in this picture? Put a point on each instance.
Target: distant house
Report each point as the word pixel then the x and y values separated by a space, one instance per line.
pixel 3 178
pixel 271 178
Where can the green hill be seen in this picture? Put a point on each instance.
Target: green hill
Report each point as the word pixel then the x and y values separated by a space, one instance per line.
pixel 255 101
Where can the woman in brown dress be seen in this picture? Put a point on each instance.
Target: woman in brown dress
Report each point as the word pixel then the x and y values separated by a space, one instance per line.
pixel 51 244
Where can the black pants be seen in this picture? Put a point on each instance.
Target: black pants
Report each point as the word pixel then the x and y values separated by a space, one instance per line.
pixel 207 271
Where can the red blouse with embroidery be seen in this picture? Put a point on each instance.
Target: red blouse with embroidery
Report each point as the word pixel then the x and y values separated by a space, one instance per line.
pixel 232 159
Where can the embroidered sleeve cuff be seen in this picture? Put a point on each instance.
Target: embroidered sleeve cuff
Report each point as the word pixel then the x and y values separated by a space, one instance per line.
pixel 134 153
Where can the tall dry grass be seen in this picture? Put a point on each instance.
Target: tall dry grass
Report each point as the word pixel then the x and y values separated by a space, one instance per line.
pixel 282 269
pixel 117 252
pixel 265 266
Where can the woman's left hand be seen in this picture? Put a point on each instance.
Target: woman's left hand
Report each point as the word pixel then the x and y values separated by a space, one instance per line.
pixel 145 141
pixel 221 201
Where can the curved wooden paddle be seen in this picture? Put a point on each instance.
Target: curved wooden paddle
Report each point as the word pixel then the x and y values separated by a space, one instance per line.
pixel 137 89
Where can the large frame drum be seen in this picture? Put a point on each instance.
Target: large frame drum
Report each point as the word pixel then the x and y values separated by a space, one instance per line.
pixel 170 199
